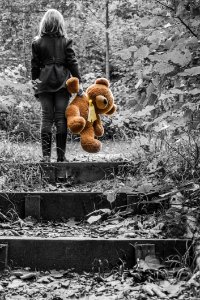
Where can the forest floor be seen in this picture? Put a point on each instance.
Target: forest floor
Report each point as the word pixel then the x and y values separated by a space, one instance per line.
pixel 139 283
pixel 174 278
pixel 31 152
pixel 104 223
pixel 179 220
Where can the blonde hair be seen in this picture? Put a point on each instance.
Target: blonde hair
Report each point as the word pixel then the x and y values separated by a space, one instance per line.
pixel 52 23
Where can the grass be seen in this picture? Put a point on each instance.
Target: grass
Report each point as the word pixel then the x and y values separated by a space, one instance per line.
pixel 157 161
pixel 137 148
pixel 31 152
pixel 17 175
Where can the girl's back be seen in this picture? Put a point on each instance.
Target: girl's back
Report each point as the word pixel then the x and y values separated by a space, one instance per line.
pixel 53 62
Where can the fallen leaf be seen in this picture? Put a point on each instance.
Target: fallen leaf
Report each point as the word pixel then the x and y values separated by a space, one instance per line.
pixel 140 81
pixel 101 210
pixel 5 226
pixel 143 265
pixel 167 25
pixel 153 262
pixel 94 219
pixel 147 289
pixel 17 273
pixel 57 274
pixel 16 283
pixel 174 289
pixel 71 222
pixel 101 289
pixel 28 276
pixel 54 285
pixel 145 188
pixel 130 234
pixel 65 284
pixel 157 291
pixel 159 226
pixel 16 297
pixel 105 211
pixel 111 196
pixel 52 187
pixel 44 279
pixel 15 233
pixel 114 283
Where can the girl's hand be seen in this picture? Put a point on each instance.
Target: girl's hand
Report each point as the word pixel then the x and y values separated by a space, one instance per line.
pixel 35 83
pixel 80 92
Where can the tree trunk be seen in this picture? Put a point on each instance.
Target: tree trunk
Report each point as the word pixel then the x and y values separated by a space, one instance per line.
pixel 24 36
pixel 197 255
pixel 63 7
pixel 107 41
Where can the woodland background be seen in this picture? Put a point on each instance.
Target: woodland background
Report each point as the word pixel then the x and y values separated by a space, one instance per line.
pixel 150 50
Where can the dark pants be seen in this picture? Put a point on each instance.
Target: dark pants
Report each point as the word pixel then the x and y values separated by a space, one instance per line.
pixel 53 110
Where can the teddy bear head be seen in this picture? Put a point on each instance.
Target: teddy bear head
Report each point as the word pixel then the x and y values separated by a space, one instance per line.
pixel 99 92
pixel 101 96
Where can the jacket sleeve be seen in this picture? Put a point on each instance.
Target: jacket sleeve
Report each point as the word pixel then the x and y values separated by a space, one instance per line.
pixel 35 62
pixel 71 61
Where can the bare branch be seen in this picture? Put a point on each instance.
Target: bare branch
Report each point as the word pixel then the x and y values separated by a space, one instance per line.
pixel 186 26
pixel 181 20
pixel 157 15
pixel 96 16
pixel 169 7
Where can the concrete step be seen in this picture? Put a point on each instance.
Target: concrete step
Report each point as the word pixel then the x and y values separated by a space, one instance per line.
pixel 78 172
pixel 83 172
pixel 57 205
pixel 83 253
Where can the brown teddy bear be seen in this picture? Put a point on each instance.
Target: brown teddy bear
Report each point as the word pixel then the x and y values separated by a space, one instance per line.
pixel 83 113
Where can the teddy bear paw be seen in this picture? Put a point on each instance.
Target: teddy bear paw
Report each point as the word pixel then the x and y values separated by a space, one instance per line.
pixel 93 146
pixel 76 125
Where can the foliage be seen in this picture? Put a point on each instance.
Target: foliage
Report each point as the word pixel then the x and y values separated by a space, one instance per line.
pixel 23 120
pixel 154 58
pixel 162 84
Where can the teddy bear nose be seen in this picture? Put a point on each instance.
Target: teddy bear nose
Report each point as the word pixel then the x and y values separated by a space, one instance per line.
pixel 105 101
pixel 101 101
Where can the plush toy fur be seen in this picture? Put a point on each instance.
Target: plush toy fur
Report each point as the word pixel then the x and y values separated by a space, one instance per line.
pixel 78 110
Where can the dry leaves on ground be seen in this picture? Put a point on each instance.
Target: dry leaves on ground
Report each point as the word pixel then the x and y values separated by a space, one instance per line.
pixel 20 284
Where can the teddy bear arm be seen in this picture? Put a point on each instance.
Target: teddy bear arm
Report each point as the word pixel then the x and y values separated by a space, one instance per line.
pixel 98 127
pixel 75 122
pixel 112 111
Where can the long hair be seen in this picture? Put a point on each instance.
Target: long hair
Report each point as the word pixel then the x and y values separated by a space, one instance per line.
pixel 52 23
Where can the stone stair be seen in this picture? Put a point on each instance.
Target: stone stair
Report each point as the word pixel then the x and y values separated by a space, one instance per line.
pixel 80 253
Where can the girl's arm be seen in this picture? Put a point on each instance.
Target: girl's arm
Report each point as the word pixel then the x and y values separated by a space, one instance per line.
pixel 71 61
pixel 35 62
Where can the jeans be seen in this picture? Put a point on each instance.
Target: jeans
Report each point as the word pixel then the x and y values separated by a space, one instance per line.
pixel 53 110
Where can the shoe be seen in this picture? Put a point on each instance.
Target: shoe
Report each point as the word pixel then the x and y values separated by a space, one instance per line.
pixel 46 138
pixel 45 159
pixel 61 139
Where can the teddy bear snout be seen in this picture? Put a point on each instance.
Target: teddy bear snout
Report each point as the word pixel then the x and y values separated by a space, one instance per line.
pixel 101 102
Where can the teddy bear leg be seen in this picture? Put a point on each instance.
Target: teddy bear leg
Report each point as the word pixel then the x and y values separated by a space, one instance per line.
pixel 75 122
pixel 88 142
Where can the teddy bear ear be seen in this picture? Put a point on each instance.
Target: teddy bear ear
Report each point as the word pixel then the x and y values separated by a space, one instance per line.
pixel 72 85
pixel 103 81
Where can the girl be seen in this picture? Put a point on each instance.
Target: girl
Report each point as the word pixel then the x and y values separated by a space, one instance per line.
pixel 53 62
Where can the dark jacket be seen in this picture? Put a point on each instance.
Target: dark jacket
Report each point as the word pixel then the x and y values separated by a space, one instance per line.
pixel 53 62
